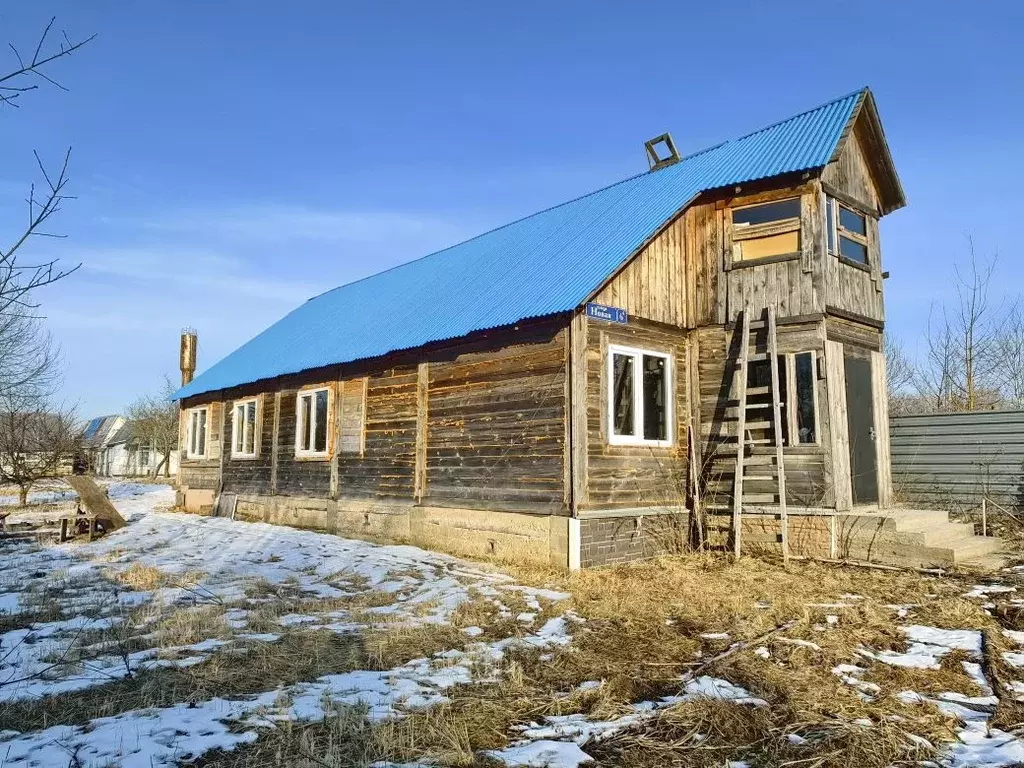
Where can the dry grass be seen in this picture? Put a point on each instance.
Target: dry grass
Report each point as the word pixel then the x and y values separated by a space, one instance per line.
pixel 147 578
pixel 643 630
pixel 296 657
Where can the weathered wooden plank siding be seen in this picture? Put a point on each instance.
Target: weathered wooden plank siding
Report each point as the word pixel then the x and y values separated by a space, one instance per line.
pixel 202 473
pixel 790 284
pixel 297 477
pixel 387 467
pixel 850 174
pixel 653 284
pixel 703 254
pixel 250 475
pixel 496 427
pixel 808 479
pixel 849 287
pixel 634 476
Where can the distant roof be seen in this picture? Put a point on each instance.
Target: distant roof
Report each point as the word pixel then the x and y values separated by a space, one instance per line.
pixel 544 264
pixel 98 430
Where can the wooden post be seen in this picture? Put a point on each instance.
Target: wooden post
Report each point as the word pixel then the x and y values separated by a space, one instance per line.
pixel 422 403
pixel 741 428
pixel 984 516
pixel 773 362
pixel 275 448
pixel 63 530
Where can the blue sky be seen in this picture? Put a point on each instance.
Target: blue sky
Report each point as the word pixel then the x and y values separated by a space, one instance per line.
pixel 232 159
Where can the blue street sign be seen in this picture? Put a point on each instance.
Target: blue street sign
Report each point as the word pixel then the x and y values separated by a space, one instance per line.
pixel 611 314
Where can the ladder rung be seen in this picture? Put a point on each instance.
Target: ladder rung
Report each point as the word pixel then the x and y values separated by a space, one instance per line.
pixel 756 478
pixel 758 390
pixel 759 442
pixel 760 498
pixel 759 425
pixel 757 325
pixel 757 357
pixel 760 405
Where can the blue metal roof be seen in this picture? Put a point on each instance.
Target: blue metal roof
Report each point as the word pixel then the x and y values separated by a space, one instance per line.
pixel 544 264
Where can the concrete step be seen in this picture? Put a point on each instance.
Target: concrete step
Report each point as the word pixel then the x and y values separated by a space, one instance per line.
pixel 985 563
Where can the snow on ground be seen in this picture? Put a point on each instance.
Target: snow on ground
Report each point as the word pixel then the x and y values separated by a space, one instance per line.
pixel 978 745
pixel 218 561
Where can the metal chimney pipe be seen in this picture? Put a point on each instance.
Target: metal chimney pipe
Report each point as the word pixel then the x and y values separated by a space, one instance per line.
pixel 189 342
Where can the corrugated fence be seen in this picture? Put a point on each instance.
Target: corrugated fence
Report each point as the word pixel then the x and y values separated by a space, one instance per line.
pixel 957 458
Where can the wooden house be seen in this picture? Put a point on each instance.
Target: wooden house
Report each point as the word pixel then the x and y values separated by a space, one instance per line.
pixel 571 387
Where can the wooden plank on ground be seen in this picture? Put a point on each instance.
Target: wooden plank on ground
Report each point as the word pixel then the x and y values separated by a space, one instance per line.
pixel 96 501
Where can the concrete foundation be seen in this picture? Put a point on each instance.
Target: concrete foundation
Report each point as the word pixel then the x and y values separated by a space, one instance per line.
pixel 509 536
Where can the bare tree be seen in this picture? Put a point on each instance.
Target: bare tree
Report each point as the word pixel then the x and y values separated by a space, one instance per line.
pixel 899 370
pixel 38 438
pixel 1010 354
pixel 18 277
pixel 963 341
pixel 153 420
pixel 28 358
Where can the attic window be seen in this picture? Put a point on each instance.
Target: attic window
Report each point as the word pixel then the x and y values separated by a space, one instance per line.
pixel 766 230
pixel 847 232
pixel 661 151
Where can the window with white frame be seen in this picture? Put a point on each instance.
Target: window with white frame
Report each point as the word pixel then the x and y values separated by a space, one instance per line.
pixel 143 456
pixel 639 397
pixel 311 422
pixel 196 437
pixel 847 232
pixel 243 429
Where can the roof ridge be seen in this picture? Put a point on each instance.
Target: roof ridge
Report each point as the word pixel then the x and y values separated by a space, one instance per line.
pixel 824 104
pixel 581 197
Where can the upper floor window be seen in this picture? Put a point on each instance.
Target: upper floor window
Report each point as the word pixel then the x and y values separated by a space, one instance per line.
pixel 639 397
pixel 847 232
pixel 311 420
pixel 195 437
pixel 765 230
pixel 243 429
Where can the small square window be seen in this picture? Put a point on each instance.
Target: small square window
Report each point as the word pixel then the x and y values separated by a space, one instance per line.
pixel 639 397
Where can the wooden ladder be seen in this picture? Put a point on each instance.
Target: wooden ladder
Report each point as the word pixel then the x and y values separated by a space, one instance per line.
pixel 748 355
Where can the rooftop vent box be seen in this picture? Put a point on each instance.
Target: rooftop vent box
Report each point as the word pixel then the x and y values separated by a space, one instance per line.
pixel 661 151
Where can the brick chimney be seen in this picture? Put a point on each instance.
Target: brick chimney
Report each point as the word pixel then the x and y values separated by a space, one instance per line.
pixel 189 341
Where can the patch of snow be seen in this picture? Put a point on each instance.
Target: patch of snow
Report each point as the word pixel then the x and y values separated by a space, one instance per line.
pixel 984 590
pixel 543 754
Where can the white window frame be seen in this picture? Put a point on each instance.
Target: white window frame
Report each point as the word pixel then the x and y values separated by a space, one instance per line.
pixel 190 415
pixel 311 392
pixel 244 425
pixel 637 354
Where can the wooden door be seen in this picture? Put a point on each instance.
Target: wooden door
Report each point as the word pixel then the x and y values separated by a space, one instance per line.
pixel 860 419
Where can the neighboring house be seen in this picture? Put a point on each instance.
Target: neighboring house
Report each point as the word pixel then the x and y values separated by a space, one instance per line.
pixel 97 436
pixel 551 390
pixel 118 455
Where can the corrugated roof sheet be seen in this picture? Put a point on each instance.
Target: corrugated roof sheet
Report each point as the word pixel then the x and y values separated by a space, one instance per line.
pixel 546 263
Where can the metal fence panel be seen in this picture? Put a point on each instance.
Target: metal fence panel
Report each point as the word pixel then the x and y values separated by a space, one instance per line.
pixel 957 458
